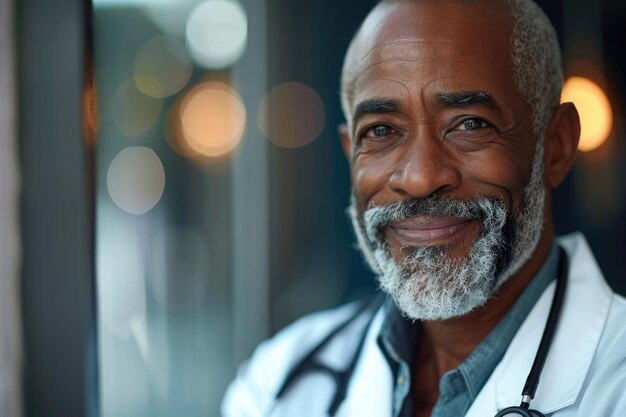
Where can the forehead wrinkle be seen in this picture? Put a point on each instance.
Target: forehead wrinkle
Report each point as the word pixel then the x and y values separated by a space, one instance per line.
pixel 400 61
pixel 365 70
pixel 354 74
pixel 408 41
pixel 393 81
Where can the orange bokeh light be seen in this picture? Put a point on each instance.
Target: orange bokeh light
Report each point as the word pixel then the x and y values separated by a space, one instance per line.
pixel 209 121
pixel 596 116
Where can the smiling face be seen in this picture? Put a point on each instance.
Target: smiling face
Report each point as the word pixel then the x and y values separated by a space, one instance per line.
pixel 442 153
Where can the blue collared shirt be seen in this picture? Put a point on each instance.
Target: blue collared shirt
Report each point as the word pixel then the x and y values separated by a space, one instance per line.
pixel 459 387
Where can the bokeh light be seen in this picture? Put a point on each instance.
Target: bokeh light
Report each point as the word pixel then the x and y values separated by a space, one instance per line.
pixel 596 116
pixel 292 115
pixel 216 32
pixel 133 112
pixel 162 67
pixel 136 179
pixel 211 120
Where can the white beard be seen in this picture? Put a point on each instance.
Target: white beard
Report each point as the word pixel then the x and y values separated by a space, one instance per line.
pixel 429 285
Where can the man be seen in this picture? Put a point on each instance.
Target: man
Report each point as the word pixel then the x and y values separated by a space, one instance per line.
pixel 455 138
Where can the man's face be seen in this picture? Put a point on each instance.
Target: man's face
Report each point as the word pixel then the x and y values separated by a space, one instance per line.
pixel 440 136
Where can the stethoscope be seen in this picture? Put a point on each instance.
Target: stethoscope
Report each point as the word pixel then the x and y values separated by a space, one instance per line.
pixel 342 378
pixel 530 388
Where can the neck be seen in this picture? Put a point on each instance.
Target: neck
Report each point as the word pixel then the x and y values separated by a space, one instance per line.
pixel 448 342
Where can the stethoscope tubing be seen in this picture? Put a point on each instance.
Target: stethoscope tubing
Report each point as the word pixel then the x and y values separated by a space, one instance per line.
pixel 532 381
pixel 342 378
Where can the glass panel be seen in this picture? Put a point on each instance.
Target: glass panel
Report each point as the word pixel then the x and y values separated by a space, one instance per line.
pixel 164 246
pixel 221 191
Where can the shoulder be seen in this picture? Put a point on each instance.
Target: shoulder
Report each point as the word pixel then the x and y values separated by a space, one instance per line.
pixel 605 391
pixel 612 346
pixel 260 377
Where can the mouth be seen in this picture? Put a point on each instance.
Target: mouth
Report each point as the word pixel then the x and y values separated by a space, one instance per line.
pixel 429 230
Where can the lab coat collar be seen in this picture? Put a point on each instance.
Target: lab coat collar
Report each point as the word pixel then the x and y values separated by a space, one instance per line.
pixel 584 314
pixel 371 384
pixel 585 311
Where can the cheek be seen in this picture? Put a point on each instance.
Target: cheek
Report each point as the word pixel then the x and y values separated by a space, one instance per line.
pixel 499 174
pixel 369 177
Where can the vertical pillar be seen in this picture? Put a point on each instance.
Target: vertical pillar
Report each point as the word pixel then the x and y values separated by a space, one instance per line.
pixel 250 197
pixel 10 346
pixel 58 285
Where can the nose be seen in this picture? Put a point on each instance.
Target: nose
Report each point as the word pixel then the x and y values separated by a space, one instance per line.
pixel 426 167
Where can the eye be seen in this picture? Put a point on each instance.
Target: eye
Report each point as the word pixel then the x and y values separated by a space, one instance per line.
pixel 472 124
pixel 378 132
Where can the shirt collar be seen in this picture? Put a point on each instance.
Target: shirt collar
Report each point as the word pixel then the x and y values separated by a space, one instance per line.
pixel 479 365
pixel 398 335
pixel 398 338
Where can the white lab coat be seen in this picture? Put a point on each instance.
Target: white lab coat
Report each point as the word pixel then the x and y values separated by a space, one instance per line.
pixel 584 374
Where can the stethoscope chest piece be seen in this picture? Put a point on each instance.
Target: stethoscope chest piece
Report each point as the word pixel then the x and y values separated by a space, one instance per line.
pixel 519 411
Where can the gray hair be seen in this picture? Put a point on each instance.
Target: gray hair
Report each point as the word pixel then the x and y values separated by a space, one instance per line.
pixel 536 57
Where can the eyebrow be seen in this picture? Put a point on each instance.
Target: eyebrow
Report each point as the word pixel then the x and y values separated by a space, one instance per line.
pixel 467 98
pixel 453 99
pixel 377 105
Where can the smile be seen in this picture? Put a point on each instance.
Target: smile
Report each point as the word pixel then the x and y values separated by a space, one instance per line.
pixel 428 229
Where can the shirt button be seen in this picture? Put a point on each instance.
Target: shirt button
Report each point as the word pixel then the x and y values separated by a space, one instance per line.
pixel 400 380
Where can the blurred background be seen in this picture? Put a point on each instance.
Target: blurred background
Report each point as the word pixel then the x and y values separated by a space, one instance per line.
pixel 184 189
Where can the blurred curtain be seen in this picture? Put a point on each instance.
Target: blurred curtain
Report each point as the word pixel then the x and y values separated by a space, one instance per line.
pixel 10 363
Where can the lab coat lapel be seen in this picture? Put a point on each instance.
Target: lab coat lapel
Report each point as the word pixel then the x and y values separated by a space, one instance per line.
pixel 584 314
pixel 371 387
pixel 585 311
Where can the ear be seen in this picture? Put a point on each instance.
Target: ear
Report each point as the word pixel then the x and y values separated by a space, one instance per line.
pixel 561 143
pixel 346 141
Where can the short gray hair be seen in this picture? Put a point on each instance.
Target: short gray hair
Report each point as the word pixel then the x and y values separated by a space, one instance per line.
pixel 536 62
pixel 537 67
